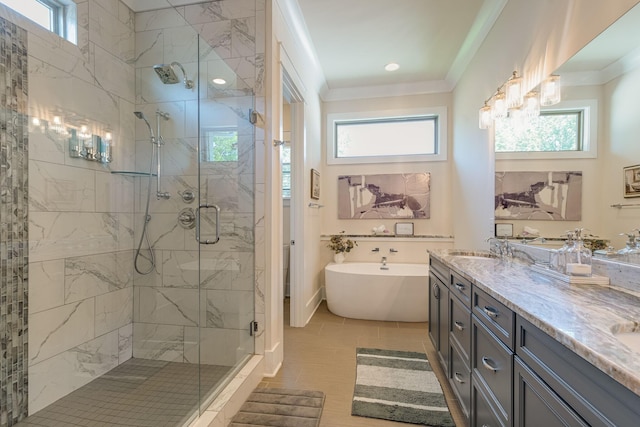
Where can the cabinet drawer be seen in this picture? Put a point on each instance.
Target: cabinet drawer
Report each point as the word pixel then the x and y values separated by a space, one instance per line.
pixel 535 404
pixel 460 326
pixel 492 365
pixel 495 315
pixel 460 379
pixel 483 415
pixel 461 287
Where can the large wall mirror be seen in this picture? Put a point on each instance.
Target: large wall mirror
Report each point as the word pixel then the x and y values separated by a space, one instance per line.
pixel 604 75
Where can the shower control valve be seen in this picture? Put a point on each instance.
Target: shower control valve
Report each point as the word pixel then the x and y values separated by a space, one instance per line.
pixel 188 196
pixel 187 218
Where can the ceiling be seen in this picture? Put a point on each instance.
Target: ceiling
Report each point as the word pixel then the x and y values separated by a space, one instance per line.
pixel 355 39
pixel 431 40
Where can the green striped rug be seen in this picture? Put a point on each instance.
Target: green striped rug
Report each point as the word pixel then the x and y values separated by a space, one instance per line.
pixel 398 386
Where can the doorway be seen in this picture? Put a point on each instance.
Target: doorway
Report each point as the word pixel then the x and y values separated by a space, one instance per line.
pixel 292 132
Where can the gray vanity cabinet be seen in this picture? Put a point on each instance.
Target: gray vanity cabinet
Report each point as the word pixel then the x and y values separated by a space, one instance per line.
pixel 439 310
pixel 589 396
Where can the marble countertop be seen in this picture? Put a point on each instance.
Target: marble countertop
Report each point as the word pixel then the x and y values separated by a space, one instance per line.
pixel 581 317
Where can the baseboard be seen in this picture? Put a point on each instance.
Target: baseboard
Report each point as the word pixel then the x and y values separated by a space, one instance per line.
pixel 313 304
pixel 273 360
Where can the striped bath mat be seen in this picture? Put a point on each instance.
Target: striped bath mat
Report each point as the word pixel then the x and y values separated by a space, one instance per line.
pixel 398 386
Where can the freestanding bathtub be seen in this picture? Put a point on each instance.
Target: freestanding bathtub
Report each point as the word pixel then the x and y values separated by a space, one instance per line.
pixel 364 291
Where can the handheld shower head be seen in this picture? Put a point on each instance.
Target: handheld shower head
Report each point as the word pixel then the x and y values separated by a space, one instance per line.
pixel 140 115
pixel 168 75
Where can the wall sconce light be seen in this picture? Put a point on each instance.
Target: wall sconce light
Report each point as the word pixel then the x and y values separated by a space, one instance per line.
pixel 85 145
pixel 513 91
pixel 531 105
pixel 57 126
pixel 550 90
pixel 509 100
pixel 484 117
pixel 499 108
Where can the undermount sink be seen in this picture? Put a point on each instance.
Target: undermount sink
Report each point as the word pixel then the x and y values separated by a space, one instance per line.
pixel 472 255
pixel 630 339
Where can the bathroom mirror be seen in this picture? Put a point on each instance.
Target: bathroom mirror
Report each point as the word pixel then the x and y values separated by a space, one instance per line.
pixel 606 75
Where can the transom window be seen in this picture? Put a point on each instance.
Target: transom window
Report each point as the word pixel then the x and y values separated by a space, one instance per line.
pixel 551 131
pixel 568 130
pixel 57 16
pixel 382 137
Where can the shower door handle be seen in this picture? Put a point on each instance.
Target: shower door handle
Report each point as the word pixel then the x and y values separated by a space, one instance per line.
pixel 198 238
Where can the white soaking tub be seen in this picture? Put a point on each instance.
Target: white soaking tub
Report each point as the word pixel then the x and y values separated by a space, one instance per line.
pixel 365 291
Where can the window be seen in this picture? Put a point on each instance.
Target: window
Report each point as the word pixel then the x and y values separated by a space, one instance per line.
pixel 219 145
pixel 551 131
pixel 57 16
pixel 569 130
pixel 387 136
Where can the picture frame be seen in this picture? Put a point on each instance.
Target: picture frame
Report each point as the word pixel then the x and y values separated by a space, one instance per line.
pixel 503 230
pixel 404 229
pixel 631 176
pixel 315 184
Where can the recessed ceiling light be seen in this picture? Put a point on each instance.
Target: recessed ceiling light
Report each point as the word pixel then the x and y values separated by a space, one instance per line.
pixel 392 66
pixel 219 81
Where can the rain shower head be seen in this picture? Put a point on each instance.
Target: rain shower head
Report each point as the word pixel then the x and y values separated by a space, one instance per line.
pixel 168 75
pixel 140 115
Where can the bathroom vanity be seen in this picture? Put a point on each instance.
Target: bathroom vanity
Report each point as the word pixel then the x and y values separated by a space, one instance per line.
pixel 523 349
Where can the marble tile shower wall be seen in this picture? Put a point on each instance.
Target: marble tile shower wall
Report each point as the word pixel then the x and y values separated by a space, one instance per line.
pixel 80 215
pixel 13 217
pixel 168 300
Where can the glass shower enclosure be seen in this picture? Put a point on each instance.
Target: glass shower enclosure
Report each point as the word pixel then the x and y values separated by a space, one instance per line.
pixel 196 306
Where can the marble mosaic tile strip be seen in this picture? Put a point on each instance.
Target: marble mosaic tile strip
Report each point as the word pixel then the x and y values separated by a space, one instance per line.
pixel 13 219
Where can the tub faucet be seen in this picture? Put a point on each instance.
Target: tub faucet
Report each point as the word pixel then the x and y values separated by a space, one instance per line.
pixel 384 264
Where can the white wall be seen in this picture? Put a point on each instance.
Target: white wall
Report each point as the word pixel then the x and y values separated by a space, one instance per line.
pixel 286 44
pixel 533 38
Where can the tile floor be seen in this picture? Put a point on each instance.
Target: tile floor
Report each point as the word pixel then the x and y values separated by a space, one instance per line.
pixel 321 356
pixel 139 392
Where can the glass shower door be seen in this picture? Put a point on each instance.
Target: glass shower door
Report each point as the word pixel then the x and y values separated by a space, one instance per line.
pixel 225 230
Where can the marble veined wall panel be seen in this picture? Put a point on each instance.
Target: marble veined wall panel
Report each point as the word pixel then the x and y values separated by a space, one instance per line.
pixel 80 215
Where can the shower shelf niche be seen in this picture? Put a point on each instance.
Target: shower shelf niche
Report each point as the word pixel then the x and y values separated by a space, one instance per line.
pixel 132 173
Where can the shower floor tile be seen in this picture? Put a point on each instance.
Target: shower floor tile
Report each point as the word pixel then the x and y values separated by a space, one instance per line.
pixel 139 392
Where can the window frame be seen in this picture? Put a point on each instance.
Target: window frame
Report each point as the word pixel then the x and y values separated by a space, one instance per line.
pixel 589 132
pixel 205 149
pixel 441 143
pixel 63 18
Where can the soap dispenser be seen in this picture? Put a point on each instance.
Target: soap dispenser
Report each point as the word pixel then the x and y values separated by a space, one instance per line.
pixel 558 259
pixel 631 252
pixel 578 257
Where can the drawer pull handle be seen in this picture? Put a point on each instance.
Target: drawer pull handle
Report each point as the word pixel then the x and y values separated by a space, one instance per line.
pixel 460 287
pixel 459 325
pixel 488 364
pixel 485 425
pixel 491 312
pixel 458 377
pixel 436 291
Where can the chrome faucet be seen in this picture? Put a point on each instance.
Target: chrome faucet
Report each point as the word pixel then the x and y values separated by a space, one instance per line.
pixel 384 264
pixel 501 247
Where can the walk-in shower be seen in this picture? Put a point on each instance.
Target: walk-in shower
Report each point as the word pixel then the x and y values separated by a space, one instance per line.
pixel 168 75
pixel 97 339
